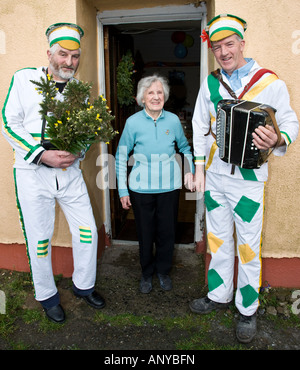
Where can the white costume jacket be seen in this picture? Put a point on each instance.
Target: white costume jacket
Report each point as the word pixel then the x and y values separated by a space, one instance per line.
pixel 22 122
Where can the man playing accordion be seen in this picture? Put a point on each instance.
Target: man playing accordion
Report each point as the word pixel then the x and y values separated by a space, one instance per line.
pixel 233 194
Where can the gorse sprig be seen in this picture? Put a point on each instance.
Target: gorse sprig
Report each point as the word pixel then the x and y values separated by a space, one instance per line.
pixel 74 122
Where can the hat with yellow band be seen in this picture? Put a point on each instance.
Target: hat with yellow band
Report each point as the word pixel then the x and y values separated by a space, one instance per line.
pixel 67 35
pixel 222 26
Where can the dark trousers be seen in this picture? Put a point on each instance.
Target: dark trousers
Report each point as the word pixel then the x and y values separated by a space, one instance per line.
pixel 156 218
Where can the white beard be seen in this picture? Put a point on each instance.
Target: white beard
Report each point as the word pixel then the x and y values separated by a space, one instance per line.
pixel 66 75
pixel 61 74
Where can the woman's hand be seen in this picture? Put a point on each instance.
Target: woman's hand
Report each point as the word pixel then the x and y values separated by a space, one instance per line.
pixel 125 201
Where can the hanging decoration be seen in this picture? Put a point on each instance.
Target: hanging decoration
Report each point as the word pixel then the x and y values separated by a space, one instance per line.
pixel 125 84
pixel 183 41
pixel 188 41
pixel 180 51
pixel 178 37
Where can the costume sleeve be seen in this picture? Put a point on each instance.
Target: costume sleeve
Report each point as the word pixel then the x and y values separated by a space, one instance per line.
pixel 125 146
pixel 13 129
pixel 201 124
pixel 285 116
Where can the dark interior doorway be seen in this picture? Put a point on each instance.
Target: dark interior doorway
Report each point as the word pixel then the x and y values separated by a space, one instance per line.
pixel 171 49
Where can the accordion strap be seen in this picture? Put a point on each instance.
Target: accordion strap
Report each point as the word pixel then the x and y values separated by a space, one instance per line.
pixel 271 113
pixel 254 79
pixel 217 74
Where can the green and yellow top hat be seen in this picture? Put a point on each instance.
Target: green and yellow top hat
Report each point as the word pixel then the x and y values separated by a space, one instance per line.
pixel 222 26
pixel 67 35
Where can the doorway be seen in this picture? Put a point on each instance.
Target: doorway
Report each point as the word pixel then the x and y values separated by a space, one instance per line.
pixel 172 49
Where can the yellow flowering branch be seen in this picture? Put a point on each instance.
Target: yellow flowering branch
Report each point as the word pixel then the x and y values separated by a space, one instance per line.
pixel 75 122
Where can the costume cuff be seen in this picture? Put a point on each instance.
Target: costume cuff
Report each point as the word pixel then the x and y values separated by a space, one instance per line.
pixel 200 160
pixel 37 159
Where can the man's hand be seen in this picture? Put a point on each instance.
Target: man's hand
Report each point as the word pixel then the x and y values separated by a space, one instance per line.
pixel 125 201
pixel 200 178
pixel 58 158
pixel 265 137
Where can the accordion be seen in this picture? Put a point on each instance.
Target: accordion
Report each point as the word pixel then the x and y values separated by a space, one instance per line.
pixel 236 121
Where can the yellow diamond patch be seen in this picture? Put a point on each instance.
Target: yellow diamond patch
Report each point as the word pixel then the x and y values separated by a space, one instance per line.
pixel 214 242
pixel 246 253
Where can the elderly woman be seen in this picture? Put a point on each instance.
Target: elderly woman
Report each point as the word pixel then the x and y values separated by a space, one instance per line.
pixel 155 179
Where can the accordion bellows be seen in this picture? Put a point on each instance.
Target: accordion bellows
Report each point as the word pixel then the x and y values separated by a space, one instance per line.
pixel 236 121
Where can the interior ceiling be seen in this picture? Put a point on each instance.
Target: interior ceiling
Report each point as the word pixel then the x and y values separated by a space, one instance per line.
pixel 156 26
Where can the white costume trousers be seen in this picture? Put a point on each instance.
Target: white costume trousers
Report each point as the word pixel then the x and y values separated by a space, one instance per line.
pixel 230 201
pixel 37 191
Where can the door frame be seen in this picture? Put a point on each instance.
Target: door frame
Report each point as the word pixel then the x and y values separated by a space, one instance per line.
pixel 147 15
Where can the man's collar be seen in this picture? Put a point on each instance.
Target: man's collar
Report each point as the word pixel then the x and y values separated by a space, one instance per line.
pixel 241 72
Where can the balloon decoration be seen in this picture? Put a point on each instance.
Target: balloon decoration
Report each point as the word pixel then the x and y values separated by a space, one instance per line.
pixel 178 37
pixel 188 41
pixel 183 42
pixel 180 51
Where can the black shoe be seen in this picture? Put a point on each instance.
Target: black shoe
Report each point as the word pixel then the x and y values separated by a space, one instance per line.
pixel 55 314
pixel 146 285
pixel 94 299
pixel 165 281
pixel 246 328
pixel 205 305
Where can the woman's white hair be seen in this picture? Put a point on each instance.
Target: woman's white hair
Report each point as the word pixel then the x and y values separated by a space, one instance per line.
pixel 146 82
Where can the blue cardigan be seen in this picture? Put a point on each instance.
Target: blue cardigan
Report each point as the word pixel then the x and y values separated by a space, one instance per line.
pixel 155 163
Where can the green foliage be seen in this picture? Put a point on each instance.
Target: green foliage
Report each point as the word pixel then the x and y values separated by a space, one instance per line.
pixel 124 80
pixel 73 121
pixel 123 320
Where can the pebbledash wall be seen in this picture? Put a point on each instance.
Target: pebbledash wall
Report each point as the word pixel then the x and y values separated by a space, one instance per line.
pixel 272 38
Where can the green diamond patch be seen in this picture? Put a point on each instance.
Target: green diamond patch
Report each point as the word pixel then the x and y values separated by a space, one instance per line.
pixel 210 202
pixel 249 295
pixel 214 279
pixel 246 208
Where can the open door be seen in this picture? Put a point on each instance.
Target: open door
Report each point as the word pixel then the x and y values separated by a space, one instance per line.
pixel 116 46
pixel 154 51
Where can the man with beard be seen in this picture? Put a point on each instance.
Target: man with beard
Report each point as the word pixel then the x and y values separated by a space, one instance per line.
pixel 43 176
